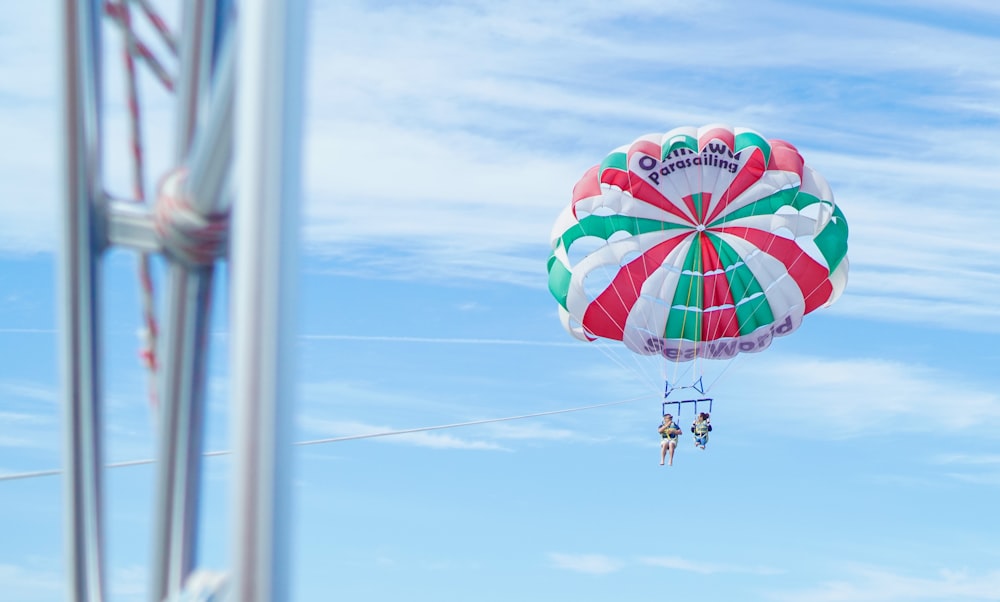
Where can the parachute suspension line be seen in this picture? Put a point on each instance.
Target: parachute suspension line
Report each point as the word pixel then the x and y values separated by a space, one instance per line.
pixel 746 287
pixel 697 364
pixel 803 255
pixel 760 210
pixel 734 316
pixel 609 272
pixel 697 367
pixel 698 383
pixel 767 250
pixel 608 275
pixel 729 363
pixel 695 288
pixel 649 321
pixel 635 366
pixel 388 433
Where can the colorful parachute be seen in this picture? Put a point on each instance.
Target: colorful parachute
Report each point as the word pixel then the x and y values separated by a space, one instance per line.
pixel 698 243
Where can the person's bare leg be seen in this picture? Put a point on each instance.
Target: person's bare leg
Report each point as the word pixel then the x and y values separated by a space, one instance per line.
pixel 672 446
pixel 663 452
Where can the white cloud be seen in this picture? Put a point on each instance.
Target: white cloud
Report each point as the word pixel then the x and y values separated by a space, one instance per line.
pixel 129 581
pixel 872 584
pixel 593 564
pixel 422 116
pixel 982 479
pixel 491 430
pixel 31 392
pixel 680 564
pixel 704 568
pixel 29 419
pixel 600 564
pixel 972 469
pixel 28 122
pixel 442 139
pixel 445 441
pixel 530 431
pixel 829 398
pixel 968 459
pixel 30 583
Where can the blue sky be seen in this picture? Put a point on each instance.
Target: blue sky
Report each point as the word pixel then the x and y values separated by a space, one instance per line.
pixel 858 459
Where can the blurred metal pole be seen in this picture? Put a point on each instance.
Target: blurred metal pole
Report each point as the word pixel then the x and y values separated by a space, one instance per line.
pixel 267 181
pixel 184 350
pixel 82 244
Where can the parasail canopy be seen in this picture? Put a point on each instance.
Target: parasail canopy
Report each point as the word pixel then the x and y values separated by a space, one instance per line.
pixel 697 243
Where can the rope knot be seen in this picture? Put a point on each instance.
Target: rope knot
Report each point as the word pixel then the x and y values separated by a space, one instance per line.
pixel 187 234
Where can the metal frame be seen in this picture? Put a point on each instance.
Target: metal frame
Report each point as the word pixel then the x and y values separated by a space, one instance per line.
pixel 264 239
pixel 82 246
pixel 696 385
pixel 265 231
pixel 187 324
pixel 679 402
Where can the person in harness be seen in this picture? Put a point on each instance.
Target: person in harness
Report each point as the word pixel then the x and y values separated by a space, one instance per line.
pixel 669 431
pixel 701 428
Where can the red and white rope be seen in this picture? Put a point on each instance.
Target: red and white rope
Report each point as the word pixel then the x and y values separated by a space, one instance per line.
pixel 186 233
pixel 119 12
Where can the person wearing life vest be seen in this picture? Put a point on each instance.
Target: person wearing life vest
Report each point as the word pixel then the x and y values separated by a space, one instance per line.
pixel 669 431
pixel 701 428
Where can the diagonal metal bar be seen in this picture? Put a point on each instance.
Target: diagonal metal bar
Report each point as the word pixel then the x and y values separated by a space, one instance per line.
pixel 211 153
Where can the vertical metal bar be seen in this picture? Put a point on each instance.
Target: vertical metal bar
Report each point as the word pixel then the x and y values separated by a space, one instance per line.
pixel 264 258
pixel 82 242
pixel 181 416
pixel 185 351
